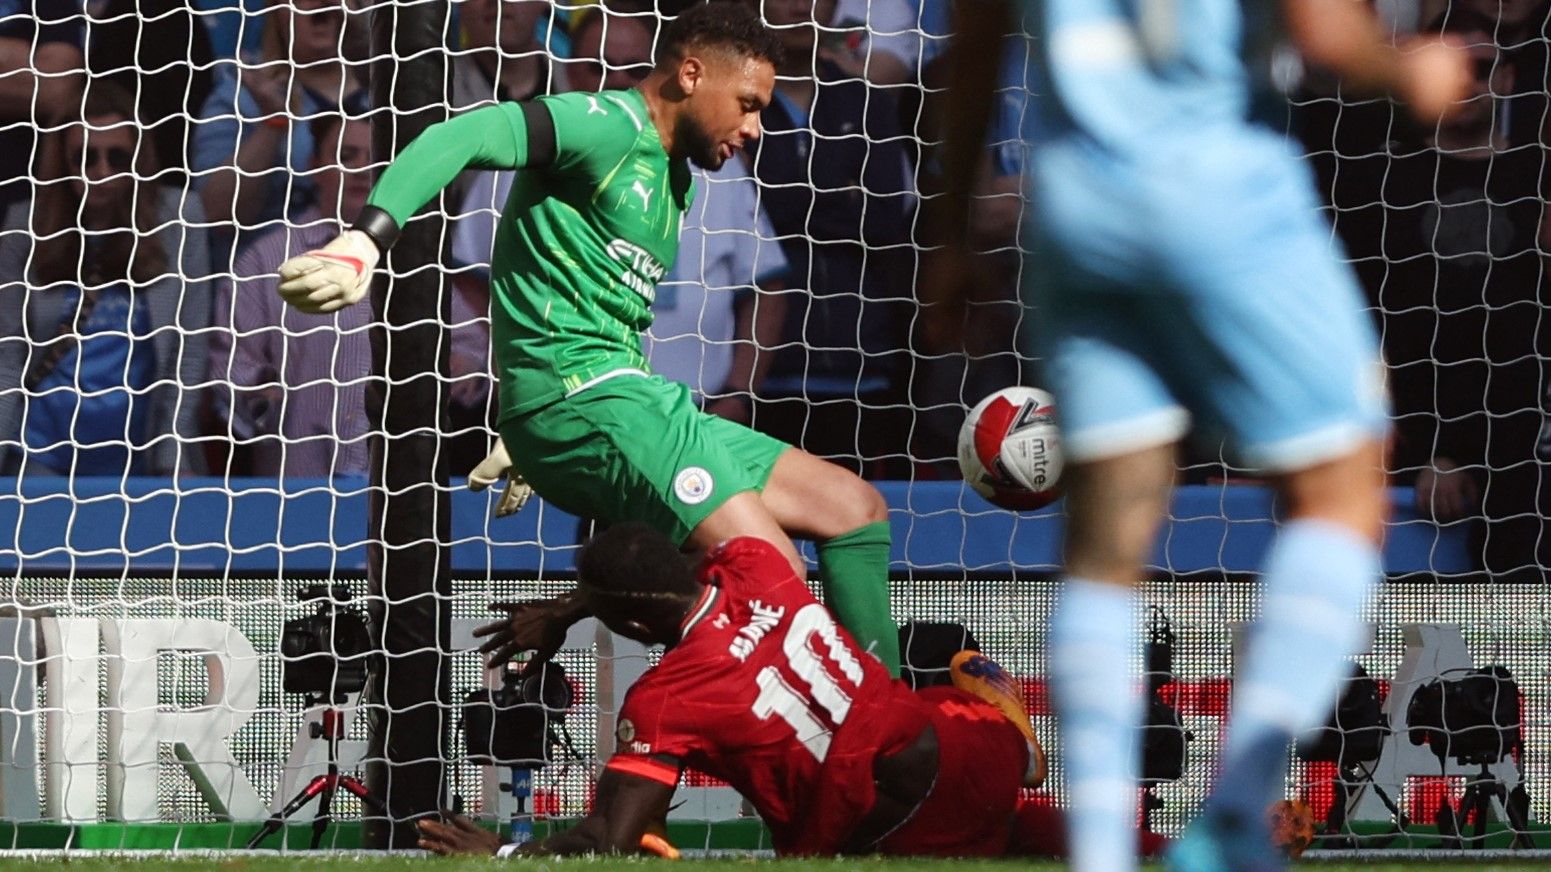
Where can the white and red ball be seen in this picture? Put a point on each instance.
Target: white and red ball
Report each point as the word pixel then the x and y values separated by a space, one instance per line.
pixel 1010 450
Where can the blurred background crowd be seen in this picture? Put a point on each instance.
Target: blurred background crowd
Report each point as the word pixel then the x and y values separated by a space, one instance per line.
pixel 159 159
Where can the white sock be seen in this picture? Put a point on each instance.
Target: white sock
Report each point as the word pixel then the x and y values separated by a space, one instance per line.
pixel 1095 688
pixel 1316 579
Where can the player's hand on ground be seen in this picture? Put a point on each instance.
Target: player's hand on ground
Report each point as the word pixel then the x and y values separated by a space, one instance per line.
pixel 330 278
pixel 490 470
pixel 1436 75
pixel 530 626
pixel 456 834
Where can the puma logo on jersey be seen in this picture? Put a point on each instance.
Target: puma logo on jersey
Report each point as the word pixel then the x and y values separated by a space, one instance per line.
pixel 593 108
pixel 762 620
pixel 640 191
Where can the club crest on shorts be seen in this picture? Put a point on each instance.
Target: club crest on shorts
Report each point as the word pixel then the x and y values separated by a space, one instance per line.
pixel 692 485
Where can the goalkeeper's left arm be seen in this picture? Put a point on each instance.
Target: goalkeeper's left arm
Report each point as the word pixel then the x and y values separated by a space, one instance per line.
pixel 505 136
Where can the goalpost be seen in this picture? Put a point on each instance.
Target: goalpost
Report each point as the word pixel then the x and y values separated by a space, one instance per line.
pixel 141 661
pixel 410 570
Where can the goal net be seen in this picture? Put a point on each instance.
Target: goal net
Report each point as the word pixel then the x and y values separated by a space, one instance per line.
pixel 183 459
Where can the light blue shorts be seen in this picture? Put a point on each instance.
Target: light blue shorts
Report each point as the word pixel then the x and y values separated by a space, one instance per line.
pixel 1212 295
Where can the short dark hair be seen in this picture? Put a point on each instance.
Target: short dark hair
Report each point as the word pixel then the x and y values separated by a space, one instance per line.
pixel 726 24
pixel 356 107
pixel 633 563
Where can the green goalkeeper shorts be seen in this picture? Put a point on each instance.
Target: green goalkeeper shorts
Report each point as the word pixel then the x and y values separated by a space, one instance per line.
pixel 637 449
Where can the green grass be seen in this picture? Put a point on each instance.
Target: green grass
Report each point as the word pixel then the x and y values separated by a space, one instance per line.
pixel 365 863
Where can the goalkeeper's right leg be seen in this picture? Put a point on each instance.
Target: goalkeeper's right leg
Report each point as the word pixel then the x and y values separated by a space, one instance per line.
pixel 637 449
pixel 810 498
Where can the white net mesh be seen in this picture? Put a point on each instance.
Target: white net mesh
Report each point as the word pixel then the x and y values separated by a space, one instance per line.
pixel 187 454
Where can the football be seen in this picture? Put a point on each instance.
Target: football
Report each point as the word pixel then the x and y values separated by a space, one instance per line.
pixel 1010 450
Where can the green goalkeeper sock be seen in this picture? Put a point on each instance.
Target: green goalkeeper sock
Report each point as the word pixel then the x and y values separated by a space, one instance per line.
pixel 854 569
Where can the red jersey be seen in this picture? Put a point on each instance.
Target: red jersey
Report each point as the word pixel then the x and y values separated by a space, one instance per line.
pixel 768 693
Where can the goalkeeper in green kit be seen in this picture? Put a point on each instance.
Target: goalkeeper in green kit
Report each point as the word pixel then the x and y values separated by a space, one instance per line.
pixel 590 227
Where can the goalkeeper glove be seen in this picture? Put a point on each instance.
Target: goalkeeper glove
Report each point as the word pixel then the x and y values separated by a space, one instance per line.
pixel 490 470
pixel 332 277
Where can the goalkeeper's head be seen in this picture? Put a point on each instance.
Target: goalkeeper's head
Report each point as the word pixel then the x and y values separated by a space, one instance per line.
pixel 637 583
pixel 715 71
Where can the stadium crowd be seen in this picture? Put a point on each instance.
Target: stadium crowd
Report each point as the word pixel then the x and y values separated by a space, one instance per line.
pixel 159 160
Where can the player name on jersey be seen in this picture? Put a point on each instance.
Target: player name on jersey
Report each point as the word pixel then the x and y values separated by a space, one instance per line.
pixel 762 619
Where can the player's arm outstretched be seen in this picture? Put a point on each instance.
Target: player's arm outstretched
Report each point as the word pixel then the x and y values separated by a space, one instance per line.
pixel 505 136
pixel 539 626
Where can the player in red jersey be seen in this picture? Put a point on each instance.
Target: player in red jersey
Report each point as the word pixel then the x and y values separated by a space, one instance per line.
pixel 762 689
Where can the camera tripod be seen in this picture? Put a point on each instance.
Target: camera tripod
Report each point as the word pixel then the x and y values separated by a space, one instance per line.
pixel 331 727
pixel 1477 802
pixel 1351 777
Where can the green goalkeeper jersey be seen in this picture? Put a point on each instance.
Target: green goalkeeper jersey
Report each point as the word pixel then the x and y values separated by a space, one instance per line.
pixel 582 241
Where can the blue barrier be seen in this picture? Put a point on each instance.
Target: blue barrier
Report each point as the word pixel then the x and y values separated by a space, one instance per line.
pixel 201 526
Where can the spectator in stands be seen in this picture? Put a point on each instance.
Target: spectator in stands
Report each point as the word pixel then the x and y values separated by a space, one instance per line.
pixel 1515 20
pixel 158 51
pixel 501 58
pixel 355 43
pixel 41 75
pixel 1521 32
pixel 611 45
pixel 297 396
pixel 255 140
pixel 297 402
pixel 955 374
pixel 104 301
pixel 718 317
pixel 1445 238
pixel 876 40
pixel 226 24
pixel 834 177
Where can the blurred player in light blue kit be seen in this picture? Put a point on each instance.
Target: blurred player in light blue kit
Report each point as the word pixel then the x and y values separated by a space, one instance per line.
pixel 1182 278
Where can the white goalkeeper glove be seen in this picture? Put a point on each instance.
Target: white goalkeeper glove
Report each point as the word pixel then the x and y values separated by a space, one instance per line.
pixel 332 277
pixel 490 470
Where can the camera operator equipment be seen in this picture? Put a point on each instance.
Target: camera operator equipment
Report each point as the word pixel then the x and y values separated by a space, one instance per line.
pixel 1474 718
pixel 1352 738
pixel 1164 737
pixel 325 659
pixel 518 725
